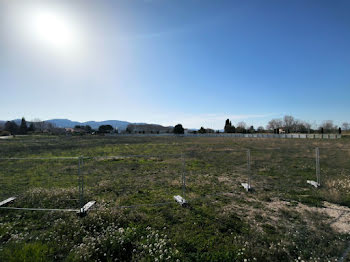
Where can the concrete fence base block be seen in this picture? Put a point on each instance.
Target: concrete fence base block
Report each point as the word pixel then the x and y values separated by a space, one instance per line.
pixel 313 183
pixel 6 201
pixel 246 186
pixel 83 211
pixel 181 200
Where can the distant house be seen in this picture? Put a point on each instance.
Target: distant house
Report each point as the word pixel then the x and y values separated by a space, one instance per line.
pixel 69 130
pixel 80 131
pixel 76 130
pixel 190 131
pixel 209 130
pixel 281 131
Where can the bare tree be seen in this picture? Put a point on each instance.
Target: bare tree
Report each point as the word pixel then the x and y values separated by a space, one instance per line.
pixel 289 123
pixel 274 124
pixel 346 126
pixel 307 126
pixel 260 129
pixel 242 125
pixel 328 126
pixel 301 126
pixel 38 124
pixel 42 126
pixel 49 126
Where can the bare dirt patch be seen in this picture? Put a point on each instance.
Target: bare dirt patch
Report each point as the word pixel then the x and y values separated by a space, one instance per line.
pixel 339 216
pixel 224 179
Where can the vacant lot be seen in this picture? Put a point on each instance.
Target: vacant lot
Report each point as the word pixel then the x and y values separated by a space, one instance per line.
pixel 134 179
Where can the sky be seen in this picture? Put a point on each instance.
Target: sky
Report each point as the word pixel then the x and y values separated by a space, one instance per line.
pixel 194 62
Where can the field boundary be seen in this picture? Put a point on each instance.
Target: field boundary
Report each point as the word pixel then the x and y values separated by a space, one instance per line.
pixel 285 136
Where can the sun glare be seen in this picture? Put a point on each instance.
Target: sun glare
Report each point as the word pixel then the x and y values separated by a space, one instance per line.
pixel 52 30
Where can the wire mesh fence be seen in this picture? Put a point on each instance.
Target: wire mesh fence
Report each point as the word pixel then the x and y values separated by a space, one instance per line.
pixel 308 175
pixel 139 180
pixel 131 180
pixel 214 172
pixel 335 174
pixel 283 173
pixel 41 183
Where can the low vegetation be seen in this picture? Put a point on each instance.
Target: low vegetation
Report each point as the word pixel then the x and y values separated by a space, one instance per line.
pixel 133 180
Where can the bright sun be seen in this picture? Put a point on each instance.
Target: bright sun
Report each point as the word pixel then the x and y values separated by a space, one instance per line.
pixel 48 33
pixel 52 30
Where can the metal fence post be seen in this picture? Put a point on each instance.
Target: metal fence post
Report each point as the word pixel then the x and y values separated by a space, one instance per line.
pixel 81 182
pixel 83 207
pixel 183 175
pixel 181 199
pixel 318 175
pixel 248 168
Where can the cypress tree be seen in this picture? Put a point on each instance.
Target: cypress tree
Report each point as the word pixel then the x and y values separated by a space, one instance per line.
pixel 23 127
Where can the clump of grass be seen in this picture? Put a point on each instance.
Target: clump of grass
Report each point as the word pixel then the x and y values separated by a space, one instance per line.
pixel 124 244
pixel 24 252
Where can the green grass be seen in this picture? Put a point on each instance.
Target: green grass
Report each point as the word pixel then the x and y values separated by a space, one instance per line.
pixel 222 223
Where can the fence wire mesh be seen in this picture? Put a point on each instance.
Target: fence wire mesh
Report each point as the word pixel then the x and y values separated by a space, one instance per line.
pixel 43 183
pixel 284 173
pixel 140 180
pixel 131 180
pixel 214 172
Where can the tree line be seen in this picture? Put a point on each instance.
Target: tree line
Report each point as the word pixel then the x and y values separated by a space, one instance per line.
pixel 37 126
pixel 287 124
pixel 12 128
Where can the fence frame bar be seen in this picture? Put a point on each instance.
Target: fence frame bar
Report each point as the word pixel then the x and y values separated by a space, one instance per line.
pixel 316 183
pixel 247 186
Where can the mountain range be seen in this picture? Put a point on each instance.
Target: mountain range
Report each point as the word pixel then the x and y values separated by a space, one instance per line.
pixel 121 125
pixel 66 123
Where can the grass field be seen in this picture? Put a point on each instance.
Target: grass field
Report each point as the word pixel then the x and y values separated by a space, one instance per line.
pixel 133 179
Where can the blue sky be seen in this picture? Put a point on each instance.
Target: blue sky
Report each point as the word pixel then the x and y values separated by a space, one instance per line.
pixel 181 61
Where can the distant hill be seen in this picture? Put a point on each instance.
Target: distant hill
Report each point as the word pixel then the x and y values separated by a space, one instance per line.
pixel 63 122
pixel 121 125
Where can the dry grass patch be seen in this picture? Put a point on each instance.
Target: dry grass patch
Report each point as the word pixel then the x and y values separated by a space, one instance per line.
pixel 338 217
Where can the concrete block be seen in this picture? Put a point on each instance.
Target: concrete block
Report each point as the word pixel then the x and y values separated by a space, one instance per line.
pixel 6 201
pixel 246 186
pixel 313 183
pixel 179 199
